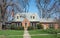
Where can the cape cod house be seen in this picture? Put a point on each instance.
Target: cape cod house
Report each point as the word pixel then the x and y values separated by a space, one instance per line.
pixel 26 19
pixel 32 19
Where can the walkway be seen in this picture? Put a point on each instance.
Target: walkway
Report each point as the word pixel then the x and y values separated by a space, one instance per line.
pixel 26 34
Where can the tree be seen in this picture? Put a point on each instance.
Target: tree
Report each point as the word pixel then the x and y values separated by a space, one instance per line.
pixel 26 5
pixel 49 9
pixel 4 4
pixel 45 10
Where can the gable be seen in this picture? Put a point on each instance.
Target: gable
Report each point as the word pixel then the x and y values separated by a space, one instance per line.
pixel 29 16
pixel 25 20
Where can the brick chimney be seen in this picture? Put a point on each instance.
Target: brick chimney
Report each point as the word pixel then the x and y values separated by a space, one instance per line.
pixel 12 12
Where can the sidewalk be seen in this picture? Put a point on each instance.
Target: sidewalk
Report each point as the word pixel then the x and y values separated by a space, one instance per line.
pixel 26 34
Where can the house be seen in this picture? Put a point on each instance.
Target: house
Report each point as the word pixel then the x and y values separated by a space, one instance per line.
pixel 32 19
pixel 26 19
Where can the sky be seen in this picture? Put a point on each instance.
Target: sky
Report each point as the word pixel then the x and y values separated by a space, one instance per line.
pixel 33 8
pixel 32 5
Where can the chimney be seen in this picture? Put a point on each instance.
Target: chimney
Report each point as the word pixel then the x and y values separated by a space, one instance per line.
pixel 12 12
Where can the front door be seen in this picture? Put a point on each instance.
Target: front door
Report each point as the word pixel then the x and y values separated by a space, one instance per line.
pixel 25 25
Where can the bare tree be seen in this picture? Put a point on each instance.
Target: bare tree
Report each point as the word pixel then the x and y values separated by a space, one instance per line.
pixel 4 4
pixel 48 12
pixel 43 7
pixel 26 5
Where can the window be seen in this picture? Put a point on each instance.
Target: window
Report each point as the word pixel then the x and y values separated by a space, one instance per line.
pixel 20 16
pixel 17 17
pixel 33 17
pixel 18 24
pixel 31 24
pixel 59 26
pixel 51 26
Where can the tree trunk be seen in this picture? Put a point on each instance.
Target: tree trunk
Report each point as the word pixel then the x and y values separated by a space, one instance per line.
pixel 2 16
pixel 0 25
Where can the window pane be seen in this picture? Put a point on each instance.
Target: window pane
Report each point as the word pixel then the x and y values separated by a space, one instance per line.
pixel 17 17
pixel 33 17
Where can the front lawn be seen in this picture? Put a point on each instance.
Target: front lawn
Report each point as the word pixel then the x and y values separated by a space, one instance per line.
pixel 41 31
pixel 11 33
pixel 58 35
pixel 37 32
pixel 44 36
pixel 50 33
pixel 7 36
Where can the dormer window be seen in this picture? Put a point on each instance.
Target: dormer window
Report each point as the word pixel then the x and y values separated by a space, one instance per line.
pixel 17 17
pixel 20 16
pixel 33 17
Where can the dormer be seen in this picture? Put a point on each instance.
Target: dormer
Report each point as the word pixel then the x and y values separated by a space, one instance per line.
pixel 33 16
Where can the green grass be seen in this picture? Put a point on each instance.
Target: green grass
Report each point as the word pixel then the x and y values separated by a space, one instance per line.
pixel 17 33
pixel 11 36
pixel 44 36
pixel 11 33
pixel 37 32
pixel 58 35
pixel 14 37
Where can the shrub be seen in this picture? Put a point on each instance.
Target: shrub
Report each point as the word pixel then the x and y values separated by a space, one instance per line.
pixel 51 31
pixel 39 26
pixel 14 27
pixel 58 31
pixel 8 26
pixel 21 28
pixel 30 28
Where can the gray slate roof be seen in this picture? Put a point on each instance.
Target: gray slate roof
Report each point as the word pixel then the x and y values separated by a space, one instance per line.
pixel 22 16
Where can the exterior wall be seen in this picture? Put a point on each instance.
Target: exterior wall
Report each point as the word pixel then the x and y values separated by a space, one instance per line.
pixel 56 26
pixel 25 21
pixel 17 19
pixel 45 26
pixel 33 24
